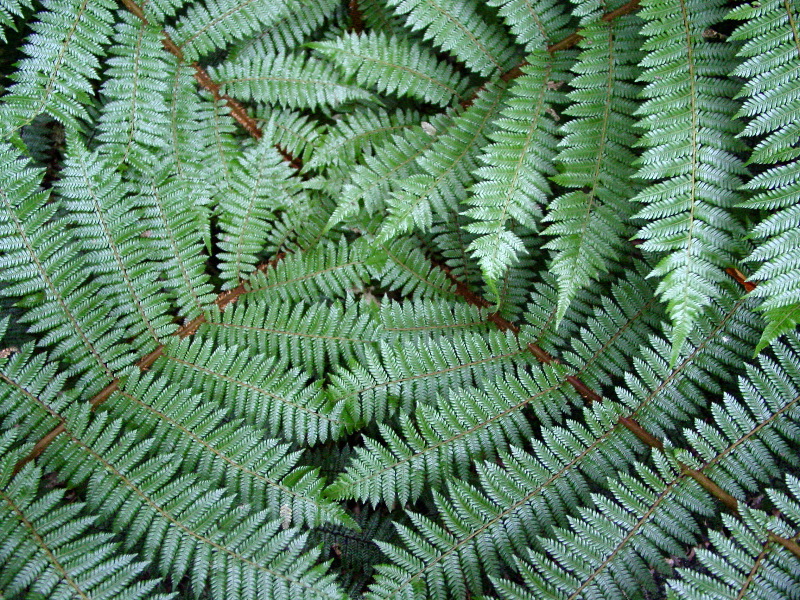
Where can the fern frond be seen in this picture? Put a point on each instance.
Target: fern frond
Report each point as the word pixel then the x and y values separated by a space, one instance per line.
pixel 430 318
pixel 403 375
pixel 40 264
pixel 293 132
pixel 591 222
pixel 440 443
pixel 327 271
pixel 315 336
pixel 533 22
pixel 512 184
pixel 176 234
pixel 772 50
pixel 106 219
pixel 396 159
pixel 286 80
pixel 9 9
pixel 256 388
pixel 394 66
pixel 217 543
pixel 260 186
pixel 650 514
pixel 205 28
pixel 747 564
pixel 290 31
pixel 228 453
pixel 61 62
pixel 359 133
pixel 456 26
pixel 408 271
pixel 690 153
pixel 444 168
pixel 531 492
pixel 135 113
pixel 49 547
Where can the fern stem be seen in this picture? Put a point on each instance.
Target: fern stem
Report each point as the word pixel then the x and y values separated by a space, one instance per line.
pixel 356 19
pixel 791 545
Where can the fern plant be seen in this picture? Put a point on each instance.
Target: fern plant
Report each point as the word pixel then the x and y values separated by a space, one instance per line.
pixel 400 299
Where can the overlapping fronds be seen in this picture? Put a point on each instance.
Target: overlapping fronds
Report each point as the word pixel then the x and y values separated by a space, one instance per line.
pixel 109 224
pixel 394 66
pixel 66 304
pixel 360 133
pixel 457 27
pixel 259 389
pixel 260 186
pixel 287 80
pixel 772 68
pixel 396 299
pixel 49 547
pixel 204 28
pixel 61 62
pixel 445 167
pixel 512 186
pixel 591 223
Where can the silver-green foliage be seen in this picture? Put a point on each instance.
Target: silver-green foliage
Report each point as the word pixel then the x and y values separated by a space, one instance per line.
pixel 454 315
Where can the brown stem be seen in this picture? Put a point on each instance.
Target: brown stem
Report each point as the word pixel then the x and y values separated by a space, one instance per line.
pixel 640 432
pixel 356 20
pixel 791 545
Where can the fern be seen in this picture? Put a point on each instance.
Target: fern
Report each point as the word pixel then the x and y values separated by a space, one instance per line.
pixel 772 32
pixel 686 207
pixel 382 299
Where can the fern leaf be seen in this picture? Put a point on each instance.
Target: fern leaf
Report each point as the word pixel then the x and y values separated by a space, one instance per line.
pixel 9 9
pixel 396 159
pixel 590 223
pixel 49 547
pixel 690 145
pixel 290 31
pixel 408 270
pixel 457 27
pixel 394 66
pixel 445 167
pixel 529 493
pixel 136 111
pixel 430 318
pixel 440 443
pixel 651 512
pixel 38 262
pixel 260 186
pixel 772 51
pixel 328 271
pixel 106 219
pixel 533 22
pixel 60 63
pixel 512 183
pixel 179 240
pixel 287 80
pixel 265 393
pixel 359 133
pixel 403 375
pixel 229 453
pixel 748 564
pixel 313 335
pixel 205 28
